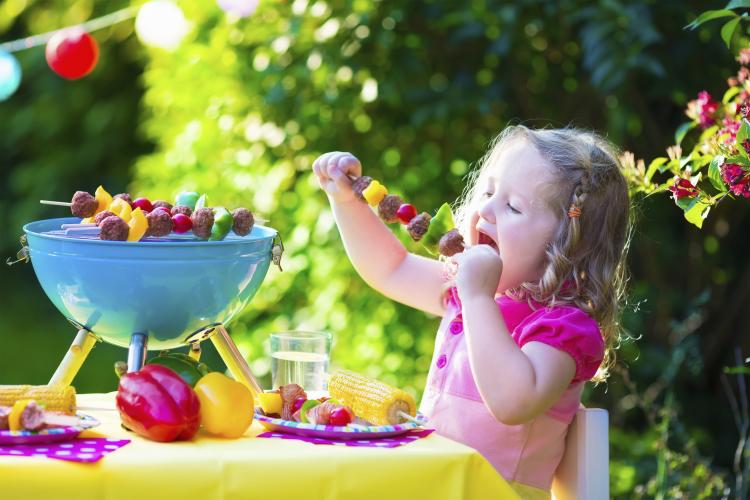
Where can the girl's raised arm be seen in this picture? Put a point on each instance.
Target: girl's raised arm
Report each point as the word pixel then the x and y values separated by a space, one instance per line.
pixel 377 255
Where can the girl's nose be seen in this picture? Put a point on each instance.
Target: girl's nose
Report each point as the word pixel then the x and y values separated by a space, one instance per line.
pixel 486 212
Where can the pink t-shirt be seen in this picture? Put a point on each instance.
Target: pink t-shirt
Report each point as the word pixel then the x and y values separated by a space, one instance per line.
pixel 528 453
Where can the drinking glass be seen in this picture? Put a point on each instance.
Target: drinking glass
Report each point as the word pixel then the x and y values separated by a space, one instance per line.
pixel 300 357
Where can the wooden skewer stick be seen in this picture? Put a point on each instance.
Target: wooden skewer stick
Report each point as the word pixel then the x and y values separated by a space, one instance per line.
pixel 58 419
pixel 59 203
pixel 408 417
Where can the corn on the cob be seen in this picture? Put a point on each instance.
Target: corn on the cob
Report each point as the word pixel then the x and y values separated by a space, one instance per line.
pixel 371 400
pixel 60 398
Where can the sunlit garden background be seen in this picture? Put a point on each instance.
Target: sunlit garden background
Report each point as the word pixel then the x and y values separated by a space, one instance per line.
pixel 416 89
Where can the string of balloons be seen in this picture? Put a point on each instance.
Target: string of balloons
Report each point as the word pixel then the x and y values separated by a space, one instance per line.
pixel 72 52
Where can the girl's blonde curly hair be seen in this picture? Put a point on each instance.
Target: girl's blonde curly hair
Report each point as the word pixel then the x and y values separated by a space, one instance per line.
pixel 586 257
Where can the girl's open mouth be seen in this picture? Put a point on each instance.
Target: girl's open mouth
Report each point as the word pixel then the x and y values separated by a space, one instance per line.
pixel 484 239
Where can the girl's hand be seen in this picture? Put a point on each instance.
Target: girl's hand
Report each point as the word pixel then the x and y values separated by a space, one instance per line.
pixel 332 170
pixel 478 273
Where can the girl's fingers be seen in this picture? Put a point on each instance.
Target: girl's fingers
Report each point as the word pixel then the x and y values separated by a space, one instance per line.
pixel 457 258
pixel 350 166
pixel 319 166
pixel 333 169
pixel 333 161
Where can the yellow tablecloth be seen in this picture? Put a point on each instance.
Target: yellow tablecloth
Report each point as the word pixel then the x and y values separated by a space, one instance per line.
pixel 431 468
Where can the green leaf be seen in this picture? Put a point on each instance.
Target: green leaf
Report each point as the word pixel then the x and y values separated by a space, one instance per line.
pixel 687 159
pixel 685 203
pixel 706 134
pixel 743 133
pixel 730 93
pixel 714 173
pixel 682 130
pixel 738 4
pixel 727 31
pixel 672 166
pixel 697 211
pixel 654 166
pixel 736 370
pixel 702 161
pixel 708 16
pixel 739 160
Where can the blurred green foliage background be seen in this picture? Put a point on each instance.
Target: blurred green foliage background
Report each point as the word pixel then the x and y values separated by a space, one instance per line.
pixel 416 90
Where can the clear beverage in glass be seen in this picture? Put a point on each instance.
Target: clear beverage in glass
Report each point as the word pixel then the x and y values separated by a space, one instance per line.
pixel 300 357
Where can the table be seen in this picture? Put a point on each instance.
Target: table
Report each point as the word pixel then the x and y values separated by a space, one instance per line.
pixel 208 468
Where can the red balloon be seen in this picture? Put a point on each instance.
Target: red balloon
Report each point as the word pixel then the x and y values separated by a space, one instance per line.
pixel 72 53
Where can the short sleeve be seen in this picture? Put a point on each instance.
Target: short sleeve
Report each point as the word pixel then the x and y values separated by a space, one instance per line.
pixel 570 330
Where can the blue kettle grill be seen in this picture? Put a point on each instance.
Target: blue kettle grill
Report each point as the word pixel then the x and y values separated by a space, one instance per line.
pixel 144 295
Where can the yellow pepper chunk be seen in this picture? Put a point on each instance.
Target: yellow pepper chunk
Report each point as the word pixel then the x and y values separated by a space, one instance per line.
pixel 227 406
pixel 87 220
pixel 14 418
pixel 270 402
pixel 121 208
pixel 374 193
pixel 138 225
pixel 104 199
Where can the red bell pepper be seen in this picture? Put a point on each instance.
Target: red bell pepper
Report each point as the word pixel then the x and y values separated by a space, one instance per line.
pixel 157 404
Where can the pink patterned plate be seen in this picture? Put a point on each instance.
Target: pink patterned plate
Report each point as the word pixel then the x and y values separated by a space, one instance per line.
pixel 337 431
pixel 49 435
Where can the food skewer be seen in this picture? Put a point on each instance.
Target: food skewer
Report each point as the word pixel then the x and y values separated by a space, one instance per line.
pixel 438 233
pixel 28 414
pixel 119 218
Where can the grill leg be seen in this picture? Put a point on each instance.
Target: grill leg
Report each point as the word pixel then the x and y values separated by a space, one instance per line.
pixel 233 359
pixel 137 351
pixel 74 358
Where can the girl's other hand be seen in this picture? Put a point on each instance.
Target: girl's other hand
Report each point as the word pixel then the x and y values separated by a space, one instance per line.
pixel 333 170
pixel 478 273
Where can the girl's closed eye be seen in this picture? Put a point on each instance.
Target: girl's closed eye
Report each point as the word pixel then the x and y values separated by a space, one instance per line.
pixel 512 209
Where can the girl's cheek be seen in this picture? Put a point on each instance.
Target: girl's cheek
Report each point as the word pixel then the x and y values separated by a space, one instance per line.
pixel 473 236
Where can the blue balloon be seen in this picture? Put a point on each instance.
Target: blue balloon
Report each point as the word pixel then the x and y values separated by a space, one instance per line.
pixel 10 75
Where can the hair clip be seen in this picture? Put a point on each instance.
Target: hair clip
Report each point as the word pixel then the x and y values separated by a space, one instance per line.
pixel 574 211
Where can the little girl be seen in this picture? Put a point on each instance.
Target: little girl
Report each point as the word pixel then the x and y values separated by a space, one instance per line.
pixel 529 308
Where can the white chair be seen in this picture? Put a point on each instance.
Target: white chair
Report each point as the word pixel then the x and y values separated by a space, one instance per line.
pixel 583 473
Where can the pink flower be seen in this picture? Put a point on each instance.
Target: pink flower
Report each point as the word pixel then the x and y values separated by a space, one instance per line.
pixel 703 109
pixel 744 56
pixel 736 179
pixel 683 188
pixel 730 128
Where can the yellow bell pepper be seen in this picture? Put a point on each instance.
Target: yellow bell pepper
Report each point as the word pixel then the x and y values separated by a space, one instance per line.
pixel 138 225
pixel 227 406
pixel 104 199
pixel 374 193
pixel 14 417
pixel 121 208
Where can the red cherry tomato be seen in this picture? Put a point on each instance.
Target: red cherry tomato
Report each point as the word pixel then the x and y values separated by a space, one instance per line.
pixel 181 223
pixel 340 416
pixel 405 213
pixel 143 203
